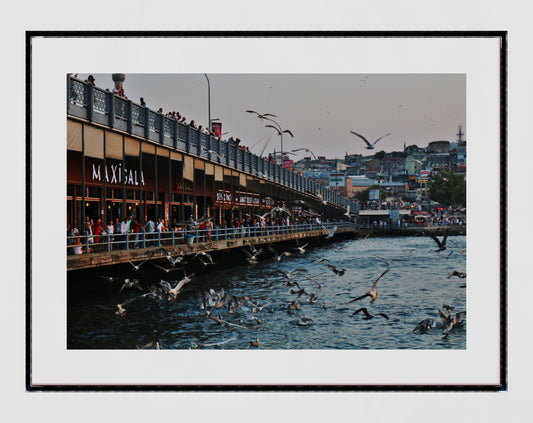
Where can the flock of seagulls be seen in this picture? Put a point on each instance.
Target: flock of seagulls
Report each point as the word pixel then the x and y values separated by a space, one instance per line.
pixel 245 313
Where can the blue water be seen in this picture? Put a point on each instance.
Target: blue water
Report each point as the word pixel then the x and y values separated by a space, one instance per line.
pixel 413 290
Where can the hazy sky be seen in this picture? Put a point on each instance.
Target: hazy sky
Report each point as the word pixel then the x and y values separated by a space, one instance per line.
pixel 319 109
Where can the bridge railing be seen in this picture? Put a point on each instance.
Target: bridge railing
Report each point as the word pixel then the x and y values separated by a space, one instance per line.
pixel 103 107
pixel 83 244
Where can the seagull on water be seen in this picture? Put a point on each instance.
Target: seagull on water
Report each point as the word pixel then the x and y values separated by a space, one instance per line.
pixel 425 325
pixel 304 321
pixel 448 322
pixel 369 145
pixel 373 293
pixel 369 316
pixel 461 275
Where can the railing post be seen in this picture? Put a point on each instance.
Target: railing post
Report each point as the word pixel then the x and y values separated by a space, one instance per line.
pixel 159 238
pixel 175 134
pixel 216 234
pixel 146 122
pixel 86 242
pixel 108 239
pixel 173 237
pixel 161 128
pixel 127 247
pixel 130 116
pixel 144 238
pixel 89 101
pixel 111 109
pixel 188 140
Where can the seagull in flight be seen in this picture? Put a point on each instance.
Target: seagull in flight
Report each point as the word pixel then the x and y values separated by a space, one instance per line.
pixel 369 316
pixel 459 248
pixel 369 145
pixel 277 256
pixel 121 311
pixel 301 249
pixel 329 234
pixel 387 262
pixel 136 267
pixel 174 260
pixel 130 284
pixel 212 152
pixel 264 216
pixel 337 271
pixel 173 292
pixel 196 222
pixel 373 293
pixel 347 212
pixel 441 244
pixel 306 150
pixel 259 115
pixel 252 256
pixel 320 197
pixel 288 275
pixel 204 254
pixel 172 269
pixel 278 131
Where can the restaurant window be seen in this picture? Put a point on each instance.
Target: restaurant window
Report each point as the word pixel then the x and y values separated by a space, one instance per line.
pixel 94 192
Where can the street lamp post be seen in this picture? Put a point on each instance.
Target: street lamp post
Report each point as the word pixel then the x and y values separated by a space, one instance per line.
pixel 208 101
pixel 280 133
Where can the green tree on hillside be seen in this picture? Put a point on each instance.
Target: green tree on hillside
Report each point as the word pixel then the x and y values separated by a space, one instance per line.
pixel 448 188
pixel 380 155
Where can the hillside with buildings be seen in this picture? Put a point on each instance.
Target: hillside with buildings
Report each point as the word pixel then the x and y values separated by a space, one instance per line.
pixel 402 175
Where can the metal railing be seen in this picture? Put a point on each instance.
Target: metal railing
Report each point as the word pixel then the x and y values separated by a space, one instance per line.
pixel 103 107
pixel 84 244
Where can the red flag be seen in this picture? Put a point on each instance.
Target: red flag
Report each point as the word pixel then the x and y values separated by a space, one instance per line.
pixel 217 128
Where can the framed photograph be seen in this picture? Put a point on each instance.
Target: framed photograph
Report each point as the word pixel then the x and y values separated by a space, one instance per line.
pixel 228 144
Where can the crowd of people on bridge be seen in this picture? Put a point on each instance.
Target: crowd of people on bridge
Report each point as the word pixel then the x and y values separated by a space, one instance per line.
pixel 114 236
